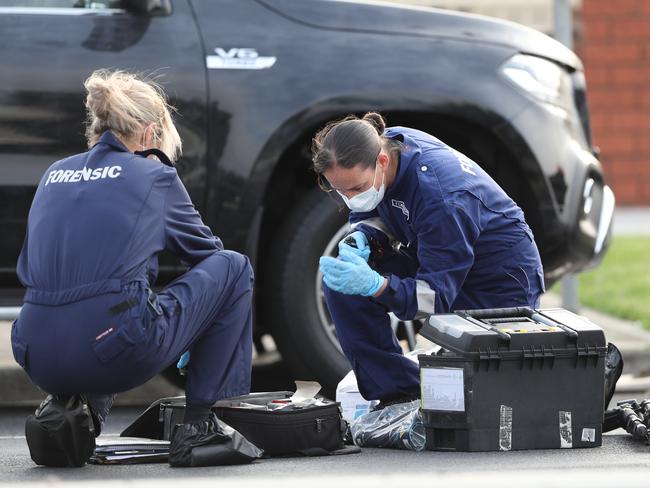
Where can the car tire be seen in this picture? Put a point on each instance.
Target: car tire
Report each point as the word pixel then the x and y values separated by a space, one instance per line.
pixel 309 348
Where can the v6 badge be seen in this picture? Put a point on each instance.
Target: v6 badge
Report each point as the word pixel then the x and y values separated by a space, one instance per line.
pixel 238 58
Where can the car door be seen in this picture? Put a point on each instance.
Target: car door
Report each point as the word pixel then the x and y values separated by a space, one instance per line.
pixel 47 49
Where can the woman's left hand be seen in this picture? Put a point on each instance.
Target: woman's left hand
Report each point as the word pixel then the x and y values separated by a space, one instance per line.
pixel 350 274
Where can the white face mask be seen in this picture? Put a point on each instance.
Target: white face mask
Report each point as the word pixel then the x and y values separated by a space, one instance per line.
pixel 367 200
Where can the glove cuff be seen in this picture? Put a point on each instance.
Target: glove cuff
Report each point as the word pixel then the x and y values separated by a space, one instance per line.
pixel 377 283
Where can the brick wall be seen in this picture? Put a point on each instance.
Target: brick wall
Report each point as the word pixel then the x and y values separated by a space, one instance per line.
pixel 614 43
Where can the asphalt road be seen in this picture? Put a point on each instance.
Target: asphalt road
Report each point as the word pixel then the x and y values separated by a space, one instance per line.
pixel 620 460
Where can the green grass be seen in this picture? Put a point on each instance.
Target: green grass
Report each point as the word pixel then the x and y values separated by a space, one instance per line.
pixel 620 285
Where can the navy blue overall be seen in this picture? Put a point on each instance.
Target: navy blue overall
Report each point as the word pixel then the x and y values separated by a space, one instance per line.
pixel 90 322
pixel 471 247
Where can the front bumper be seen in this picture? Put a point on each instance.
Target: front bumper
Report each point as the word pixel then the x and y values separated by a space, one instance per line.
pixel 587 215
pixel 594 222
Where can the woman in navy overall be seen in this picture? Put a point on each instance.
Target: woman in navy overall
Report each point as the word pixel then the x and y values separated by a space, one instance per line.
pixel 90 323
pixel 465 244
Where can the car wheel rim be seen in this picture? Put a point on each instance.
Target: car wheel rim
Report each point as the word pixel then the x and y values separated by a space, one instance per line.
pixel 405 328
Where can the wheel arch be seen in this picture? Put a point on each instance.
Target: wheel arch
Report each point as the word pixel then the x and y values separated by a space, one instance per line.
pixel 484 136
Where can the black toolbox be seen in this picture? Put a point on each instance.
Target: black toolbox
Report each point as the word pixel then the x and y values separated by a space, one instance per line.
pixel 510 379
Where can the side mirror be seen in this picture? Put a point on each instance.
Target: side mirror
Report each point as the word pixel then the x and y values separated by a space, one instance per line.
pixel 148 7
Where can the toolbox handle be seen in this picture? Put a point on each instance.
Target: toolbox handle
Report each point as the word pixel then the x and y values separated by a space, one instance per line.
pixel 492 313
pixel 552 323
pixel 503 335
pixel 497 313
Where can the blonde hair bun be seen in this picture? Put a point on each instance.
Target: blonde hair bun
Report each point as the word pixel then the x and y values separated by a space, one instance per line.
pixel 126 104
pixel 97 101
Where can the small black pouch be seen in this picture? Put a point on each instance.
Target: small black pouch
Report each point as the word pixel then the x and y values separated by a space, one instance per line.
pixel 61 432
pixel 613 370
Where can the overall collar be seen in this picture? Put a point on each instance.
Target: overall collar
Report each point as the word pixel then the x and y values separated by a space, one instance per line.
pixel 109 138
pixel 409 152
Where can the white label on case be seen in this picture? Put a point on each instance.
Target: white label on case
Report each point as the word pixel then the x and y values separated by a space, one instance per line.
pixel 443 389
pixel 588 435
pixel 566 432
pixel 505 428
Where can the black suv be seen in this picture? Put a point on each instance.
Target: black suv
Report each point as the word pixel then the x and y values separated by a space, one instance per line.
pixel 254 79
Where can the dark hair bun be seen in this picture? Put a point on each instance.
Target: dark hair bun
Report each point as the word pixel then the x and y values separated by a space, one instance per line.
pixel 376 120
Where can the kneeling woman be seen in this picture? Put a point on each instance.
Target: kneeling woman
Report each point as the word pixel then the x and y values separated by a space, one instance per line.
pixel 90 323
pixel 468 244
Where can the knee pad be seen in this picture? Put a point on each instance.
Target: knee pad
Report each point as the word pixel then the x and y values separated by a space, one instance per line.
pixel 61 433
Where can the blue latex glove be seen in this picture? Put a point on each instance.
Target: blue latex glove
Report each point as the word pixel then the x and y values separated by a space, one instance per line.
pixel 362 249
pixel 350 274
pixel 182 362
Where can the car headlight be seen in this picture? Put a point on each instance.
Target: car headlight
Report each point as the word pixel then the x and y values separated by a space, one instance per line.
pixel 540 78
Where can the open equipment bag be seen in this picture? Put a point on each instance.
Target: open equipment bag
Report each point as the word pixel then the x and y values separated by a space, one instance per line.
pixel 269 420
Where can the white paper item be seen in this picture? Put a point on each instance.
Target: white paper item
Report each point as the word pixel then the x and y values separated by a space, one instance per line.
pixel 305 390
pixel 442 389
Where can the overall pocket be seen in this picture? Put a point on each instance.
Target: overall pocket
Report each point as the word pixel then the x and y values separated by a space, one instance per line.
pixel 540 277
pixel 19 347
pixel 538 288
pixel 115 341
pixel 510 288
pixel 520 279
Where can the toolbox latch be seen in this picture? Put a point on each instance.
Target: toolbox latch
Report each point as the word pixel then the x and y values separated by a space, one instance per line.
pixel 489 357
pixel 542 356
pixel 586 353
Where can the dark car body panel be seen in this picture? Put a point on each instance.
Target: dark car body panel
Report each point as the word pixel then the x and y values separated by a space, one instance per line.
pixel 400 19
pixel 332 58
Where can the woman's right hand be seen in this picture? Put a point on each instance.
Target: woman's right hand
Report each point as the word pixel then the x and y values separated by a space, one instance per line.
pixel 182 362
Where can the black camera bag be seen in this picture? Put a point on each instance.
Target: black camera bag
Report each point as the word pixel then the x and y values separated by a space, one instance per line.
pixel 61 433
